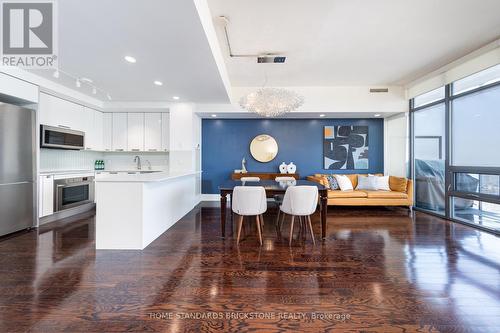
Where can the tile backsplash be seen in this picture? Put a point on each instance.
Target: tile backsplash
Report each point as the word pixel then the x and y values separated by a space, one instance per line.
pixel 58 159
pixel 125 161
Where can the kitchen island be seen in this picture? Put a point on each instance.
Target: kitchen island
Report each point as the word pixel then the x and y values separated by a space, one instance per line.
pixel 132 210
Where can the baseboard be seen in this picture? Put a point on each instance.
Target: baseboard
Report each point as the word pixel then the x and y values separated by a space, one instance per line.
pixel 210 197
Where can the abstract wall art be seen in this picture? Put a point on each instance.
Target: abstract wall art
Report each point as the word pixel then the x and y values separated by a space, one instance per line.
pixel 345 147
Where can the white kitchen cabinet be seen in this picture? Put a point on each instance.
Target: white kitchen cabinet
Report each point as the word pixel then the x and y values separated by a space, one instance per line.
pixel 93 122
pixel 58 112
pixel 119 131
pixel 107 131
pixel 89 129
pixel 46 195
pixel 98 130
pixel 152 131
pixel 165 131
pixel 135 132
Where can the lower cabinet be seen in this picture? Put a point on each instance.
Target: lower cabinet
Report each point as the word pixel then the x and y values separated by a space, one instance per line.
pixel 46 195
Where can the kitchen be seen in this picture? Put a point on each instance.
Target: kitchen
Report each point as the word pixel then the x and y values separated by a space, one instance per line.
pixel 72 146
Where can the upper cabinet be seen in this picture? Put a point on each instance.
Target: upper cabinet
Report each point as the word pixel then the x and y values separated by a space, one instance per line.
pixel 58 112
pixel 107 132
pixel 117 131
pixel 119 139
pixel 93 120
pixel 152 131
pixel 165 131
pixel 135 131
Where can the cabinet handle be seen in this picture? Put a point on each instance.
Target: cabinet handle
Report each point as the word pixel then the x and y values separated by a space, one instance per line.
pixel 152 149
pixel 63 126
pixel 88 148
pixel 118 149
pixel 136 149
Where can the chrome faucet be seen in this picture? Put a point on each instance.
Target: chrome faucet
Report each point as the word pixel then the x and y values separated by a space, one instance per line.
pixel 137 159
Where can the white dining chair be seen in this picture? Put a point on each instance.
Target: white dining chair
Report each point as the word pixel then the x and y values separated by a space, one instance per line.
pixel 249 201
pixel 250 179
pixel 301 202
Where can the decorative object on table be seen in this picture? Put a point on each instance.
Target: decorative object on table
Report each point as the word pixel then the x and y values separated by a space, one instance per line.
pixel 344 183
pixel 283 167
pixel 271 102
pixel 345 147
pixel 332 183
pixel 291 168
pixel 243 166
pixel 264 148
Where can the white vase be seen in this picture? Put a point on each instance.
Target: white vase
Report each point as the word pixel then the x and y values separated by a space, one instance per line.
pixel 283 167
pixel 291 168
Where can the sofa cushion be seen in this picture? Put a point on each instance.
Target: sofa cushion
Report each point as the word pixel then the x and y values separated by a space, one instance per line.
pixel 344 182
pixel 386 195
pixel 398 184
pixel 367 183
pixel 332 182
pixel 346 194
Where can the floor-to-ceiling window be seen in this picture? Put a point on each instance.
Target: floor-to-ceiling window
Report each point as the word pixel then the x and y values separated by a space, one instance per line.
pixel 456 150
pixel 429 145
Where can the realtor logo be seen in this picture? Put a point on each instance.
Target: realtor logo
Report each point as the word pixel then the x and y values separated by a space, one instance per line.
pixel 29 34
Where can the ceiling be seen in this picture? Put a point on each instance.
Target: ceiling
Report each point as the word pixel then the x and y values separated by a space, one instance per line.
pixel 355 42
pixel 166 38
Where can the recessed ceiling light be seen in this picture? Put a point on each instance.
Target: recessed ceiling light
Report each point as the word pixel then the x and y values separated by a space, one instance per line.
pixel 176 97
pixel 214 115
pixel 377 115
pixel 158 83
pixel 322 115
pixel 130 59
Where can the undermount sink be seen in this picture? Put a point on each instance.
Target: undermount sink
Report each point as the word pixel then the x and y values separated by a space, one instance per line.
pixel 141 172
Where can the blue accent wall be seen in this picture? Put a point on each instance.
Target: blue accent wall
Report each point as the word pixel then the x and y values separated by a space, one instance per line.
pixel 226 141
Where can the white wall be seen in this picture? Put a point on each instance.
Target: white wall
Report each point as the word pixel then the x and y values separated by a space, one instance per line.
pixel 396 150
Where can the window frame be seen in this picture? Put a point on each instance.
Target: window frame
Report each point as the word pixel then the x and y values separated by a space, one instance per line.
pixel 451 170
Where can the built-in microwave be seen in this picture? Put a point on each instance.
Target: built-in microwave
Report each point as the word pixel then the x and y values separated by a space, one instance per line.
pixel 73 192
pixel 61 138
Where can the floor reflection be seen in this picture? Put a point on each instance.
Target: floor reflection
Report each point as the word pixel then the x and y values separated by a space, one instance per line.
pixel 385 268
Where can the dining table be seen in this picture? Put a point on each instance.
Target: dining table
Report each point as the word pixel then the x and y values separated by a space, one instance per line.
pixel 272 188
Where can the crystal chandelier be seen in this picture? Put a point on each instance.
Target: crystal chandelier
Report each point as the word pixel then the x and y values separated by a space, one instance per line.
pixel 271 102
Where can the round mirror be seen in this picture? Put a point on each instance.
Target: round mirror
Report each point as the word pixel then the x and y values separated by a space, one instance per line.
pixel 264 148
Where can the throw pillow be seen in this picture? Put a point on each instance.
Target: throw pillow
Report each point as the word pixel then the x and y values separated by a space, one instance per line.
pixel 344 182
pixel 367 183
pixel 397 184
pixel 383 183
pixel 332 183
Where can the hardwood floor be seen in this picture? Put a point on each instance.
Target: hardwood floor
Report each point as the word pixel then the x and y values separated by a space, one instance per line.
pixel 379 270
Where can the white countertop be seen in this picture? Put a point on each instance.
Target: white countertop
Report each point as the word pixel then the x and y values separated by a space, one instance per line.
pixel 64 172
pixel 145 177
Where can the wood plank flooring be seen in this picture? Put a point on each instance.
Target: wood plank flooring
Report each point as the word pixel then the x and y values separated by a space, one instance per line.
pixel 379 270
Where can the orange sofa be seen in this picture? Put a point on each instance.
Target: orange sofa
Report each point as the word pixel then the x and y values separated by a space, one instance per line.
pixel 364 197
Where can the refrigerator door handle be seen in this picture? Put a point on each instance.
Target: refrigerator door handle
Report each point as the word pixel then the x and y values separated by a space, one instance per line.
pixel 16 183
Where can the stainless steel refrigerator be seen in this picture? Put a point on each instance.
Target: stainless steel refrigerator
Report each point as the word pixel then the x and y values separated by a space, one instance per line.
pixel 17 168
